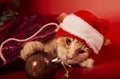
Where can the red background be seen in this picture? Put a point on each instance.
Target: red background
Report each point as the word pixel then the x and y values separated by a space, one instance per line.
pixel 107 63
pixel 104 8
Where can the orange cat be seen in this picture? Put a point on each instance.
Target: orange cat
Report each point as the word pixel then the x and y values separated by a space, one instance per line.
pixel 69 50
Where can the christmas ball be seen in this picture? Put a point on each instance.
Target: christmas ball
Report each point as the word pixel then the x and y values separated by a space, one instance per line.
pixel 39 66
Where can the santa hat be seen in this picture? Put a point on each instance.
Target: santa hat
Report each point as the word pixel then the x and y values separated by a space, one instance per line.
pixel 85 26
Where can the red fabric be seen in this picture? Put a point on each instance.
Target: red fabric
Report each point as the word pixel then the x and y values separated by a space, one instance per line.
pixel 16 75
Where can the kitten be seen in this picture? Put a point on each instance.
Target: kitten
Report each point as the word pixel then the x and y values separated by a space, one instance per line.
pixel 70 51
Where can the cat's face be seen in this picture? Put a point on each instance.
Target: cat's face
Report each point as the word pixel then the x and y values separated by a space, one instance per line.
pixel 71 51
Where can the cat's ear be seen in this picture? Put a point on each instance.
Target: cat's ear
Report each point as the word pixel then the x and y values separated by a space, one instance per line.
pixel 107 41
pixel 61 17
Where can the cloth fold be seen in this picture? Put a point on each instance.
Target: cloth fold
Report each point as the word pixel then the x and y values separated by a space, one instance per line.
pixel 23 28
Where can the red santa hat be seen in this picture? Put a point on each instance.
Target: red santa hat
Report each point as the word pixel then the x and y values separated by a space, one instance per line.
pixel 85 26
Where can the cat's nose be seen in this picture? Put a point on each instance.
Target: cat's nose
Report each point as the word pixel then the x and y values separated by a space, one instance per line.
pixel 69 57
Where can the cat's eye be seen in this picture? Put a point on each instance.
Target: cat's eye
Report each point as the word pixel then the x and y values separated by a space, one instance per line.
pixel 81 51
pixel 68 41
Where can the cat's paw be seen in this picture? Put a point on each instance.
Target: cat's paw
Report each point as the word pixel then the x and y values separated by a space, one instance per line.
pixel 30 48
pixel 87 63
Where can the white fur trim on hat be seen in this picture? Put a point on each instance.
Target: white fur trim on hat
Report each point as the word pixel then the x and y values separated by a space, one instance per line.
pixel 80 28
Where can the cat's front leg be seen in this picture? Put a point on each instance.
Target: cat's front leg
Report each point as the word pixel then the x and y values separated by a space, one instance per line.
pixel 30 48
pixel 87 63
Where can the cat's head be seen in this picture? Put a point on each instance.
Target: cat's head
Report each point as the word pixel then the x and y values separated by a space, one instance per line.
pixel 71 51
